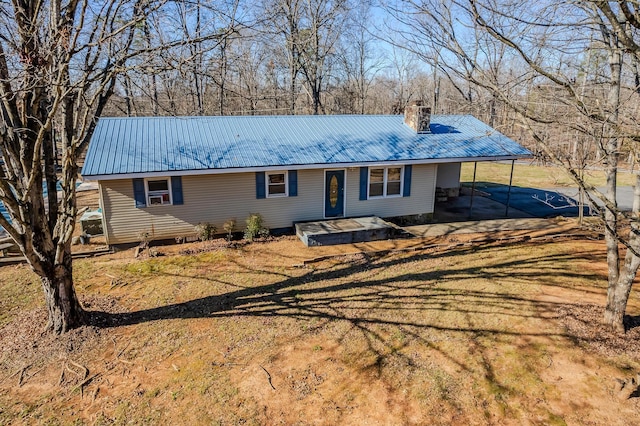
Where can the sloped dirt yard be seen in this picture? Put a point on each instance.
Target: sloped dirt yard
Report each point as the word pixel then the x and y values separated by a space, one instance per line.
pixel 458 330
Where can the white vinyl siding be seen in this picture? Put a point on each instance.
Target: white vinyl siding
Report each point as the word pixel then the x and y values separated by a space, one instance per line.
pixel 218 198
pixel 208 198
pixel 421 200
pixel 448 175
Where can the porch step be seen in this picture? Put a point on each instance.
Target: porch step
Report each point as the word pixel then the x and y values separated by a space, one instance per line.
pixel 343 231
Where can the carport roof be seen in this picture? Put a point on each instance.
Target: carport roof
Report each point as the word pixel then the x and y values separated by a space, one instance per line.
pixel 151 146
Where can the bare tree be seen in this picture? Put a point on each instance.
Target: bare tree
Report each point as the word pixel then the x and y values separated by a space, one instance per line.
pixel 284 16
pixel 358 55
pixel 318 33
pixel 59 66
pixel 54 75
pixel 529 56
pixel 195 65
pixel 178 78
pixel 403 71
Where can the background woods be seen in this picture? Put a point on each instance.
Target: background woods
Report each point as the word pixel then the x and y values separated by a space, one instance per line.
pixel 348 57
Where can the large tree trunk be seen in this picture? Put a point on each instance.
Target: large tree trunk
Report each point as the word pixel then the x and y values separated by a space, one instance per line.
pixel 619 287
pixel 618 295
pixel 39 94
pixel 65 311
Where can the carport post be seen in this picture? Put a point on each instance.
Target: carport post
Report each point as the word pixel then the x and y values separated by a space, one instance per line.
pixel 473 187
pixel 506 213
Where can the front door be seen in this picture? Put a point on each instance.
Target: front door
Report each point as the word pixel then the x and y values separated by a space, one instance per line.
pixel 334 193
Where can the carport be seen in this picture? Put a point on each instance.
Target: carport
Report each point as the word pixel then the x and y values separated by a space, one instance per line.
pixel 487 200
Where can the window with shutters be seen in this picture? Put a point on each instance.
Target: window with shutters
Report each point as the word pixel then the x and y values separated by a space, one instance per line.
pixel 277 183
pixel 385 182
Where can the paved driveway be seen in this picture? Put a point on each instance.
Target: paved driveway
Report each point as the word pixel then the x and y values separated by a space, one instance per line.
pixel 624 195
pixel 550 202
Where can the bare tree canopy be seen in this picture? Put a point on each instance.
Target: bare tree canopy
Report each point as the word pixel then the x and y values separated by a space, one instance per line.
pixel 567 69
pixel 59 66
pixel 63 64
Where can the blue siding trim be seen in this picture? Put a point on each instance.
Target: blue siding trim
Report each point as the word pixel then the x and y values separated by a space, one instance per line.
pixel 139 193
pixel 406 189
pixel 261 191
pixel 364 182
pixel 176 190
pixel 293 183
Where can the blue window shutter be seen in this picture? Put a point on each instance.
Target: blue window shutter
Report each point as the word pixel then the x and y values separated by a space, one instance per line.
pixel 176 190
pixel 406 190
pixel 293 183
pixel 364 182
pixel 260 185
pixel 139 193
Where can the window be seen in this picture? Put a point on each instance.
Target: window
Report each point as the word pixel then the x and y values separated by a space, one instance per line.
pixel 385 182
pixel 394 178
pixel 376 183
pixel 277 184
pixel 158 192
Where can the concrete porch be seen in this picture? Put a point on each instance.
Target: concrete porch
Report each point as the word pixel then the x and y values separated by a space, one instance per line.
pixel 344 231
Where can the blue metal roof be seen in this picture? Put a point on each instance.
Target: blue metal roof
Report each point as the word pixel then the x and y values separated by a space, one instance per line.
pixel 151 145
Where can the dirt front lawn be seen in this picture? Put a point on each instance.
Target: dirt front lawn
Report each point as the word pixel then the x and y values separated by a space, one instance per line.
pixel 440 332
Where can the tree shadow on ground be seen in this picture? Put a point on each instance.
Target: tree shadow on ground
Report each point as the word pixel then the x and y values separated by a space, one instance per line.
pixel 372 297
pixel 361 291
pixel 355 281
pixel 631 322
pixel 368 296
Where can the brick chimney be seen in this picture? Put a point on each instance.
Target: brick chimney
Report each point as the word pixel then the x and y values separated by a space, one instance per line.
pixel 418 117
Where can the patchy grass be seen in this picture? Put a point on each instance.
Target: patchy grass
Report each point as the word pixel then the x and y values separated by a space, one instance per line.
pixel 19 290
pixel 479 334
pixel 530 176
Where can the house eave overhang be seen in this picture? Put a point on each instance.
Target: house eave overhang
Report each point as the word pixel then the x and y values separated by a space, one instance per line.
pixel 194 172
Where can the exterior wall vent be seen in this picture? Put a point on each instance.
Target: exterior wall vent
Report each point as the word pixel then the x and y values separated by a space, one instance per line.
pixel 418 117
